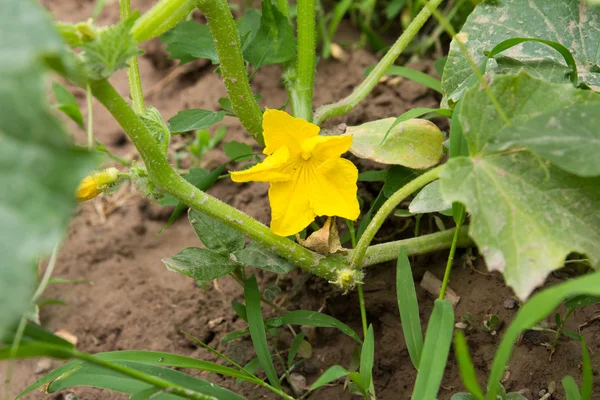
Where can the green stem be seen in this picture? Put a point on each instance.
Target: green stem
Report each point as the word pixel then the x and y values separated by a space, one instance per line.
pixel 386 209
pixel 348 103
pixel 162 17
pixel 232 67
pixel 363 308
pixel 142 377
pixel 305 64
pixel 380 253
pixel 167 179
pixel 90 119
pixel 133 71
pixel 449 262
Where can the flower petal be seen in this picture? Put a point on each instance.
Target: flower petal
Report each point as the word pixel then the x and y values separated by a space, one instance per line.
pixel 290 205
pixel 281 129
pixel 323 148
pixel 269 170
pixel 333 189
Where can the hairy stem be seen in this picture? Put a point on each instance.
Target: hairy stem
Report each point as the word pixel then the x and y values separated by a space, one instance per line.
pixel 162 17
pixel 167 179
pixel 380 253
pixel 305 64
pixel 386 209
pixel 348 103
pixel 233 69
pixel 133 71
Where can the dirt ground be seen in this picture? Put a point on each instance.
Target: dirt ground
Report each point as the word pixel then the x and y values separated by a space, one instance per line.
pixel 133 303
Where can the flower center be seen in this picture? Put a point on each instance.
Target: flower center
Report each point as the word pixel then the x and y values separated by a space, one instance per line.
pixel 306 155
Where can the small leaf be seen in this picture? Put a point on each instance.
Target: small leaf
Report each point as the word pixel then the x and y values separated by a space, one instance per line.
pixel 581 301
pixel 190 40
pixel 274 42
pixel 238 151
pixel 373 176
pixel 430 200
pixel 294 348
pixel 194 119
pixel 248 26
pixel 195 176
pixel 271 292
pixel 465 364
pixel 412 74
pixel 409 308
pixel 257 330
pixel 215 235
pixel 332 374
pixel 110 50
pixel 571 389
pixel 200 264
pixel 235 335
pixel 67 103
pixel 525 219
pixel 240 310
pixel 415 143
pixel 155 123
pixel 435 351
pixel 396 178
pixel 256 256
pixel 314 318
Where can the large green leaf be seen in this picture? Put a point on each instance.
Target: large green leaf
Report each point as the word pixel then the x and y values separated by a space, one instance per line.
pixel 570 138
pixel 416 143
pixel 526 217
pixel 194 119
pixel 522 98
pixel 572 23
pixel 190 40
pixel 257 256
pixel 39 167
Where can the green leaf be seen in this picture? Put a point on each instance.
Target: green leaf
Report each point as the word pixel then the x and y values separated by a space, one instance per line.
pixel 294 348
pixel 581 301
pixel 367 358
pixel 465 364
pixel 200 264
pixel 248 26
pixel 110 50
pixel 257 330
pixel 238 151
pixel 155 123
pixel 415 113
pixel 533 311
pixel 587 382
pixel 239 309
pixel 314 318
pixel 430 200
pixel 522 98
pixel 67 103
pixel 568 137
pixel 571 23
pixel 415 143
pixel 412 74
pixel 215 235
pixel 195 176
pixel 257 256
pixel 194 119
pixel 332 374
pixel 190 40
pixel 435 351
pixel 397 177
pixel 39 166
pixel 409 308
pixel 525 217
pixel 373 176
pixel 274 42
pixel 571 389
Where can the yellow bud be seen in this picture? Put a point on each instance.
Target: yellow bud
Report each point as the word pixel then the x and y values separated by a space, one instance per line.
pixel 92 185
pixel 348 278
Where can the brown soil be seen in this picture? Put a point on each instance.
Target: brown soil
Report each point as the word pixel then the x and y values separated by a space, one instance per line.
pixel 133 302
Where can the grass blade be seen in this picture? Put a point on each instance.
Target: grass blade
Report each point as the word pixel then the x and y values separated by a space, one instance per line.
pixel 588 380
pixel 435 351
pixel 332 374
pixel 294 348
pixel 257 330
pixel 571 389
pixel 533 311
pixel 314 318
pixel 414 75
pixel 367 358
pixel 409 308
pixel 465 364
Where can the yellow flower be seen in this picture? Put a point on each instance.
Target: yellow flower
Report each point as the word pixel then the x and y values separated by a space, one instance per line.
pixel 307 177
pixel 92 185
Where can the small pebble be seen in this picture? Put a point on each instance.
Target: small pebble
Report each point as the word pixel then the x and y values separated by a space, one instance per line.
pixel 542 392
pixel 298 382
pixel 460 325
pixel 552 387
pixel 510 303
pixel 43 365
